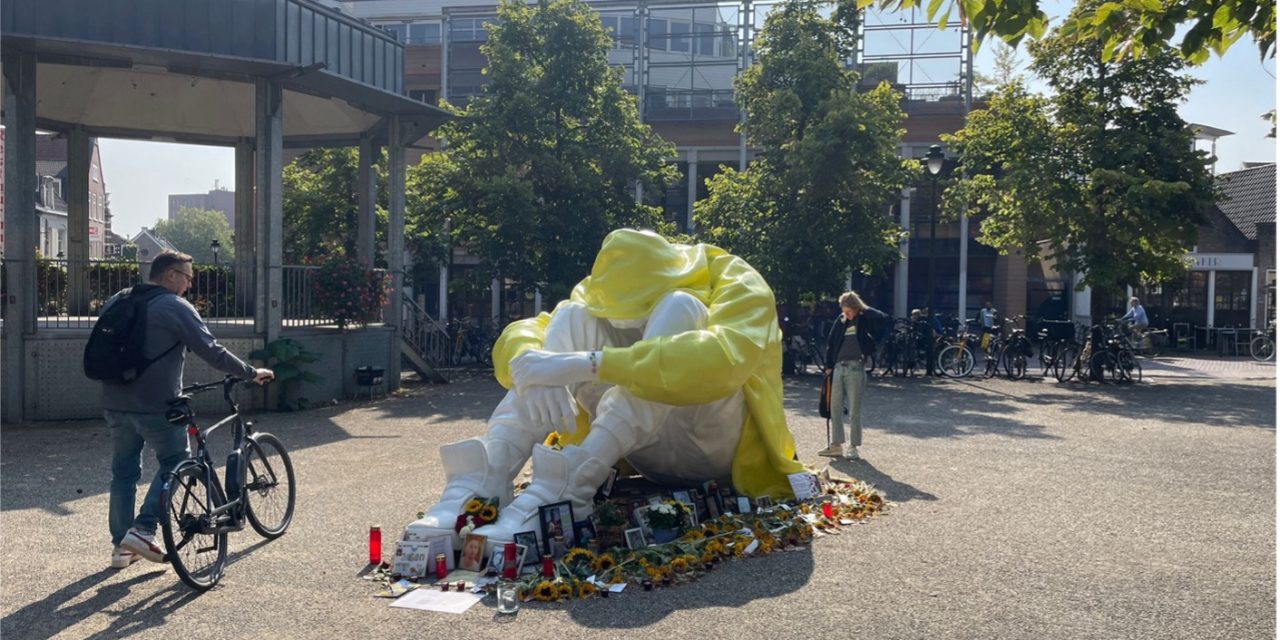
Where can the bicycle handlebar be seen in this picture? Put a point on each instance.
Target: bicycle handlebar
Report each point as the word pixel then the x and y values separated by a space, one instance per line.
pixel 227 382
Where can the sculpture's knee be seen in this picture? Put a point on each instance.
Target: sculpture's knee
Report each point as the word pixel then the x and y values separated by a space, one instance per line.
pixel 675 313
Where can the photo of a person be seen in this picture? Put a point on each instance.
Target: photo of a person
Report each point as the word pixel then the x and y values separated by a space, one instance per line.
pixel 635 538
pixel 557 522
pixel 584 533
pixel 472 553
pixel 527 540
pixel 496 560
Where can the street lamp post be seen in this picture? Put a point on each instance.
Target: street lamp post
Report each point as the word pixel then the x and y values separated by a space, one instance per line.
pixel 933 162
pixel 215 245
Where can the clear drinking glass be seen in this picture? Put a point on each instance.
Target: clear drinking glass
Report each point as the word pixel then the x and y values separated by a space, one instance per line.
pixel 508 598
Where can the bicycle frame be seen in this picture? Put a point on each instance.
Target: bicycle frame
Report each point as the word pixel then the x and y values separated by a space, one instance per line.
pixel 230 516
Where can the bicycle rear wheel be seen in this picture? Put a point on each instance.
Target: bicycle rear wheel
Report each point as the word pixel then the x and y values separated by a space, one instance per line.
pixel 1064 362
pixel 189 499
pixel 1262 348
pixel 1103 367
pixel 1130 368
pixel 955 361
pixel 269 489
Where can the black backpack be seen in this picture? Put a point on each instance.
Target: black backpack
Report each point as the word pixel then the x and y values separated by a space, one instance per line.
pixel 114 352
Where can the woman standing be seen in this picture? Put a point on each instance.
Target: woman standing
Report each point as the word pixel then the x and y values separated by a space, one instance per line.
pixel 850 338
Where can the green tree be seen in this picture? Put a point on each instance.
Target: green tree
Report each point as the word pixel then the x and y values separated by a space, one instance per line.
pixel 544 163
pixel 814 203
pixel 192 230
pixel 322 205
pixel 1005 70
pixel 1103 174
pixel 1125 27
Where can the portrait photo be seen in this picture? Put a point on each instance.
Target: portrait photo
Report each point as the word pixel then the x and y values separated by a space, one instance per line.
pixel 584 533
pixel 556 521
pixel 496 560
pixel 635 538
pixel 744 505
pixel 528 540
pixel 472 553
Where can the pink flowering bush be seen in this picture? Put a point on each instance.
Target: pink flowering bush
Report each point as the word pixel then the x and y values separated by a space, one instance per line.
pixel 346 292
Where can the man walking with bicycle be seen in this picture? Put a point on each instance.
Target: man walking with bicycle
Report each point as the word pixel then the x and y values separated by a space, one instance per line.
pixel 135 401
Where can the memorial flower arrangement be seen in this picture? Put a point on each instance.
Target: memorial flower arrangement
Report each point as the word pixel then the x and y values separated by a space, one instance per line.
pixel 477 513
pixel 667 515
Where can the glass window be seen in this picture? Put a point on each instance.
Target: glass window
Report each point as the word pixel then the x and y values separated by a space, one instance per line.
pixel 657 34
pixel 706 43
pixel 423 95
pixel 467 30
pixel 679 38
pixel 628 30
pixel 424 33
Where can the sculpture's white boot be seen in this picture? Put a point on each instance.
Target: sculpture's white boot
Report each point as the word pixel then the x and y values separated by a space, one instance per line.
pixel 570 474
pixel 468 474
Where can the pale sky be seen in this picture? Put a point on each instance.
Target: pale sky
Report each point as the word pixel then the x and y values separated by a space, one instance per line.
pixel 1238 89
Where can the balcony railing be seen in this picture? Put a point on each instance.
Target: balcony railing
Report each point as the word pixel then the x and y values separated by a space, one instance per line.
pixel 71 294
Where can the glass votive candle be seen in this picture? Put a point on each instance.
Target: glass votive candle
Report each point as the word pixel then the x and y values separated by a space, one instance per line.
pixel 508 597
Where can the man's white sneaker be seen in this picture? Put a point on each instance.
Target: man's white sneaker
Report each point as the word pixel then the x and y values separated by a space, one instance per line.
pixel 144 544
pixel 832 451
pixel 122 558
pixel 851 453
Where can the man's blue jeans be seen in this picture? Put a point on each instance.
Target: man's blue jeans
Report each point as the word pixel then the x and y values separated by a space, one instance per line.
pixel 130 432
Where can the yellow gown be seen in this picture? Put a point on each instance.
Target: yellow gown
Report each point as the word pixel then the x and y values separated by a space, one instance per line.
pixel 741 348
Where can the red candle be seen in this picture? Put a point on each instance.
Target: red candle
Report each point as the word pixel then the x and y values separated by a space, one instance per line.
pixel 375 544
pixel 548 567
pixel 827 510
pixel 509 567
pixel 442 567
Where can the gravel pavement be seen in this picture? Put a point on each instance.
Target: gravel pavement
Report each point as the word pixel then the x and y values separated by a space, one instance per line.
pixel 1023 510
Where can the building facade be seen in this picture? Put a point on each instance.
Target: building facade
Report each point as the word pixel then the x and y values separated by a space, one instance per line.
pixel 216 199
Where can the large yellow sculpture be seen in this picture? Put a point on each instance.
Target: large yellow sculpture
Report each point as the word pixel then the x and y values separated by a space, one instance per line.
pixel 668 356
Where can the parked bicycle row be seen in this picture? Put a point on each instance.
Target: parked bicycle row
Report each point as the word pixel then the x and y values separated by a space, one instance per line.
pixel 907 347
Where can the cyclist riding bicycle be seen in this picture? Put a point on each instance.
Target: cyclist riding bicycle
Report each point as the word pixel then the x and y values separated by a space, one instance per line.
pixel 1136 318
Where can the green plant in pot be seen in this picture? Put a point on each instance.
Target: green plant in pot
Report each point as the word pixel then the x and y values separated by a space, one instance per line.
pixel 667 520
pixel 611 522
pixel 285 357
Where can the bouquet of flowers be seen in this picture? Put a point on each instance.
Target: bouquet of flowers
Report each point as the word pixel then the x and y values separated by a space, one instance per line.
pixel 477 513
pixel 667 515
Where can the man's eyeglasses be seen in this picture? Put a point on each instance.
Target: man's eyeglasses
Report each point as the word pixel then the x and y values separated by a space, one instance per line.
pixel 190 278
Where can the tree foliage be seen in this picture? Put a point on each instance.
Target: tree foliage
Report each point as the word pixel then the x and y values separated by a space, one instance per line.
pixel 1125 27
pixel 814 203
pixel 191 231
pixel 321 204
pixel 1104 173
pixel 544 163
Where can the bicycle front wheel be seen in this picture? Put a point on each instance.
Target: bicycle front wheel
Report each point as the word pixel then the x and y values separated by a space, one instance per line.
pixel 197 555
pixel 1064 362
pixel 1103 367
pixel 955 361
pixel 1130 368
pixel 1262 348
pixel 269 489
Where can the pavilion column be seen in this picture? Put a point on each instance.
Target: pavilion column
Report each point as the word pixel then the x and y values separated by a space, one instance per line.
pixel 901 274
pixel 19 226
pixel 368 213
pixel 395 245
pixel 246 231
pixel 79 150
pixel 268 202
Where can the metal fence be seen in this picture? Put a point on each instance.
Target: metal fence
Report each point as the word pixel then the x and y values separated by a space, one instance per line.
pixel 71 294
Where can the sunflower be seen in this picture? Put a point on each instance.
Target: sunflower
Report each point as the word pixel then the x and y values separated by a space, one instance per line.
pixel 578 554
pixel 489 513
pixel 692 535
pixel 680 565
pixel 586 590
pixel 546 591
pixel 875 499
pixel 565 590
pixel 714 547
pixel 706 558
pixel 710 529
pixel 603 562
pixel 553 440
pixel 474 506
pixel 654 574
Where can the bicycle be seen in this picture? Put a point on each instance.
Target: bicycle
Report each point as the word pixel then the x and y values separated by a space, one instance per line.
pixel 1057 347
pixel 1016 351
pixel 956 359
pixel 199 512
pixel 1263 345
pixel 993 353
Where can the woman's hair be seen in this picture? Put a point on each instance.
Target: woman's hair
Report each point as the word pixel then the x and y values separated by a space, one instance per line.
pixel 852 300
pixel 1133 300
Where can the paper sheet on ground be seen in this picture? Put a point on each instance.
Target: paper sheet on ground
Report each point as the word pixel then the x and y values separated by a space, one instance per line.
pixel 442 601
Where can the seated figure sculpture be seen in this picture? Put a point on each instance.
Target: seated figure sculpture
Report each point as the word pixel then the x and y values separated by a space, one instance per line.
pixel 667 356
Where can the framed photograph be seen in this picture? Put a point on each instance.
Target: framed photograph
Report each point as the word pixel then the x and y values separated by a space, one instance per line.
pixel 713 507
pixel 607 487
pixel 641 520
pixel 472 553
pixel 635 538
pixel 526 540
pixel 497 560
pixel 744 505
pixel 682 496
pixel 556 521
pixel 764 502
pixel 522 555
pixel 584 533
